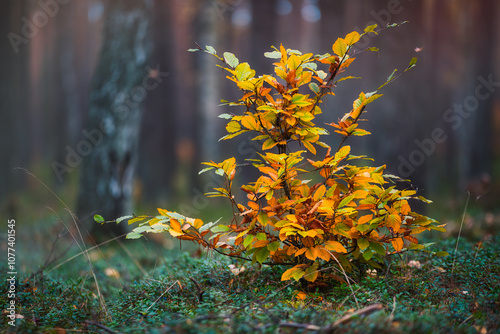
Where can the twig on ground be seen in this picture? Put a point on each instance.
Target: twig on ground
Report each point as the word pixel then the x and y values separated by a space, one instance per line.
pixel 391 316
pixel 308 327
pixel 463 322
pixel 365 311
pixel 157 299
pixel 93 323
pixel 198 287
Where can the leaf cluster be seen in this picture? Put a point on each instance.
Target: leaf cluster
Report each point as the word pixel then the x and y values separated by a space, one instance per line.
pixel 354 214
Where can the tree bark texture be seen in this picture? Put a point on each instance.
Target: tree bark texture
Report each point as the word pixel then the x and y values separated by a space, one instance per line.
pixel 119 85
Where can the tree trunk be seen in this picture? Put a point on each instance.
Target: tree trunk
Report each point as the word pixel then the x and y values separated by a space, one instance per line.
pixel 119 85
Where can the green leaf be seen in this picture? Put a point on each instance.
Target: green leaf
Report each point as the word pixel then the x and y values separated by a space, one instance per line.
pixel 312 66
pixel 248 240
pixel 220 228
pixel 244 72
pixel 176 215
pixel 415 246
pixel 273 55
pixel 412 63
pixel 208 225
pixel 211 50
pixel 314 87
pixel 321 74
pixel 442 253
pixel 261 236
pixel 347 78
pixel 119 220
pixel 273 246
pixel 377 248
pixel 363 228
pixel 392 75
pixel 371 29
pixel 437 228
pixel 133 235
pixel 389 79
pixel 374 49
pixel 300 100
pixel 345 201
pixel 231 59
pixel 142 229
pixel 261 254
pixel 226 116
pixel 99 219
pixel 363 244
pixel 368 255
pixel 205 170
pixel 193 50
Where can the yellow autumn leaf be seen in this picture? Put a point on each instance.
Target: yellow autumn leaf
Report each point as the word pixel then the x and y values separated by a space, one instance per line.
pixel 309 147
pixel 245 85
pixel 320 192
pixel 343 152
pixel 397 244
pixel 309 233
pixel 198 223
pixel 175 233
pixel 300 252
pixel 323 254
pixel 295 273
pixel 311 253
pixel 268 144
pixel 364 219
pixel 339 47
pixel 301 295
pixel 311 273
pixel 393 221
pixel 335 246
pixel 175 225
pixel 352 37
pixel 249 122
pixel 162 212
pixel 260 243
pixel 363 244
pixel 233 126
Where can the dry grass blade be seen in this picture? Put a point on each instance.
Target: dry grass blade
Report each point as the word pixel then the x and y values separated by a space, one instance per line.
pixel 460 232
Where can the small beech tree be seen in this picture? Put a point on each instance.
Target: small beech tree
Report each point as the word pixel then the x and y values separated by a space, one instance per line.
pixel 353 214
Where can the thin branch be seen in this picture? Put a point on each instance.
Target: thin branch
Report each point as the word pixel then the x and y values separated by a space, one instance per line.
pixel 101 326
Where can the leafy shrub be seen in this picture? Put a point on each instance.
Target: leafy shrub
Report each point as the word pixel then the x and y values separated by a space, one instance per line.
pixel 355 214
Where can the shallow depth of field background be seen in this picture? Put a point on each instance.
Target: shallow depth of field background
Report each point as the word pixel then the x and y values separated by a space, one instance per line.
pixel 438 125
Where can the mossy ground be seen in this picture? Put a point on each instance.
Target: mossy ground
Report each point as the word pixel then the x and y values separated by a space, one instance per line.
pixel 147 289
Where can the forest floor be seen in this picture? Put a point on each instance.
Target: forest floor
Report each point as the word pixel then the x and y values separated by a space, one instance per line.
pixel 131 286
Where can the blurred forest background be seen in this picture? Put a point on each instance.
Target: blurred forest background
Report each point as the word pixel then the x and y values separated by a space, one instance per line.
pixel 103 103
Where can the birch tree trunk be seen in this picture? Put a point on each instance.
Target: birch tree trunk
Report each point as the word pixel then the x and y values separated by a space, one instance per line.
pixel 120 83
